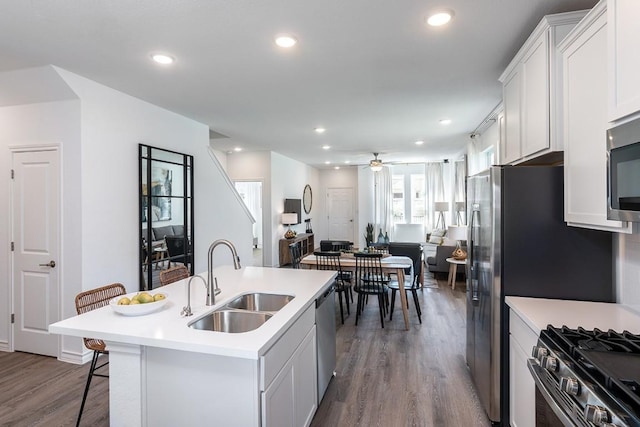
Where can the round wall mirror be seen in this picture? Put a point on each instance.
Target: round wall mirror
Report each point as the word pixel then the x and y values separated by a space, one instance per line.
pixel 307 199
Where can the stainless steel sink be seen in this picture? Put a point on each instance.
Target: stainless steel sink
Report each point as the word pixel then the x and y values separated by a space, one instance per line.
pixel 231 321
pixel 260 302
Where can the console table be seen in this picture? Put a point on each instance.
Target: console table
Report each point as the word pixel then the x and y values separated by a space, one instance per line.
pixel 306 246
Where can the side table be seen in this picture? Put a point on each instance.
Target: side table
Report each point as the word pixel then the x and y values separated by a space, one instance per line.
pixel 453 269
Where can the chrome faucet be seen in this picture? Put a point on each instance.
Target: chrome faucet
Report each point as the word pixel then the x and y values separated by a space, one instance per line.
pixel 211 292
pixel 186 311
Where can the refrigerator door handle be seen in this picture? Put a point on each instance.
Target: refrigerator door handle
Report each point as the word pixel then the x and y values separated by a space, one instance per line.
pixel 472 259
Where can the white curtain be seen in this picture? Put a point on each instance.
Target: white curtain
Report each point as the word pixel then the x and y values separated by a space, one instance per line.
pixel 383 202
pixel 435 192
pixel 459 196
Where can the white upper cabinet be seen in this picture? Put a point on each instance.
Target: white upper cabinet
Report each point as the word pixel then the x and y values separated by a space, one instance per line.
pixel 585 123
pixel 623 58
pixel 532 89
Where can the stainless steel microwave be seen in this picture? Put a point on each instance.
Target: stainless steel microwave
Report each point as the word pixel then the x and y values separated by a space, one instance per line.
pixel 623 172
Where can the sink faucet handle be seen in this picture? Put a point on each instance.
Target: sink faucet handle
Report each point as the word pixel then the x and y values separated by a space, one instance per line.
pixel 216 290
pixel 186 311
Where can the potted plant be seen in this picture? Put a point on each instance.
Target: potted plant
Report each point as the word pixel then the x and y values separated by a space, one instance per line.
pixel 368 236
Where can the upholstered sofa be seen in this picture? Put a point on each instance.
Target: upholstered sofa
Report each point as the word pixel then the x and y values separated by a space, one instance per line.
pixel 158 233
pixel 438 263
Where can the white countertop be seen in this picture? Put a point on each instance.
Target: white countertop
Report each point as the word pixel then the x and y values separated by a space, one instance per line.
pixel 167 329
pixel 540 312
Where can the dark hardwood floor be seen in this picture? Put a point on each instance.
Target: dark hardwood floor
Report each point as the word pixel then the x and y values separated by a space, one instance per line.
pixel 385 377
pixel 391 377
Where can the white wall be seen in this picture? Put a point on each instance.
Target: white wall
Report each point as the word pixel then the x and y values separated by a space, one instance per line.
pixel 256 166
pixel 99 137
pixel 44 124
pixel 289 178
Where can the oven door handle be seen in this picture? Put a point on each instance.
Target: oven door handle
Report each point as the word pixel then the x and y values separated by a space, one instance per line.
pixel 536 372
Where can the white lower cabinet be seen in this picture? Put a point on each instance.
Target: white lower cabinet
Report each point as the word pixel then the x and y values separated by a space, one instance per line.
pixel 521 384
pixel 290 399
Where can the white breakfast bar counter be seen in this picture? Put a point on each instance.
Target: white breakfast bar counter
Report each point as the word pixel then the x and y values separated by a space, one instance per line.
pixel 163 372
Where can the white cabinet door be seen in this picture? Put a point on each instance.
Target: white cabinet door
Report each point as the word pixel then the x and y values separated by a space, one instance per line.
pixel 535 97
pixel 510 145
pixel 522 387
pixel 585 123
pixel 306 377
pixel 278 409
pixel 291 399
pixel 623 58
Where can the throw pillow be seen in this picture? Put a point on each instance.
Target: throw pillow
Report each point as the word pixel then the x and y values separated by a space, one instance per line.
pixel 438 233
pixel 435 239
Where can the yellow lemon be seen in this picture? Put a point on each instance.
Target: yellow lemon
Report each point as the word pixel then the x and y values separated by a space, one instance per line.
pixel 158 297
pixel 134 301
pixel 124 301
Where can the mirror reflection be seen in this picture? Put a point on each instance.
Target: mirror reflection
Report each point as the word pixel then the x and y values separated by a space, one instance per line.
pixel 166 214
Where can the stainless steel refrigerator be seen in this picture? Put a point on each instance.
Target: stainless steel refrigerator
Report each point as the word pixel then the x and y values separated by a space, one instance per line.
pixel 518 244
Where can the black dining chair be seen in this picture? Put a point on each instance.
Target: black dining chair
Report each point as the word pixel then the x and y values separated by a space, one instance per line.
pixel 369 280
pixel 176 249
pixel 331 261
pixel 295 251
pixel 411 284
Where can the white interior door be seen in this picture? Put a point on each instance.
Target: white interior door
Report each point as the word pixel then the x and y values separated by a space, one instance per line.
pixel 340 213
pixel 36 217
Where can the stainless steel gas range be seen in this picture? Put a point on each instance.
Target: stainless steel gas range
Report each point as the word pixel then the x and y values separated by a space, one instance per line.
pixel 586 378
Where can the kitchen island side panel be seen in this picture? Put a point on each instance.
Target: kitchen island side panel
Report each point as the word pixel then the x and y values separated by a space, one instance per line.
pixel 196 389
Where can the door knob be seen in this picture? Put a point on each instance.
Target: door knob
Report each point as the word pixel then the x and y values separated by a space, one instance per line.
pixel 51 264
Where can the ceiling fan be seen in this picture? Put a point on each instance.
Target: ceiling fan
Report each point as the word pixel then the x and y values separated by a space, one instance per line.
pixel 375 164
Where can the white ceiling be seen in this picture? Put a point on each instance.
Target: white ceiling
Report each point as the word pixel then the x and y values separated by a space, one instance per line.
pixel 369 71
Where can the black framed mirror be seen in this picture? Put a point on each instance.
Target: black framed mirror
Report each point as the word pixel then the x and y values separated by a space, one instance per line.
pixel 165 213
pixel 307 199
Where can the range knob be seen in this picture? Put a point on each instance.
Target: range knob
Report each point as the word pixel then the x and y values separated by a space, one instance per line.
pixel 597 415
pixel 539 352
pixel 570 385
pixel 550 363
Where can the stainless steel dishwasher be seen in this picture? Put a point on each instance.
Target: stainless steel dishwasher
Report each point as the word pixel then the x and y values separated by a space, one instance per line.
pixel 326 334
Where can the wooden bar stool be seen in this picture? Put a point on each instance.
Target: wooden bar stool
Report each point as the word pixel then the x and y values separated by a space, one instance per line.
pixel 85 302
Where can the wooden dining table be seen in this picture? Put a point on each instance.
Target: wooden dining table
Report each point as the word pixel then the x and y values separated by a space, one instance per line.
pixel 390 264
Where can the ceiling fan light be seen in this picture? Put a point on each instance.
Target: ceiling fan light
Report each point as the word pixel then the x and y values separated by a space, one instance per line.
pixel 375 165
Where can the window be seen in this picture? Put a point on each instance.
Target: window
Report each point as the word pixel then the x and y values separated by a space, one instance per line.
pixel 408 188
pixel 398 208
pixel 417 199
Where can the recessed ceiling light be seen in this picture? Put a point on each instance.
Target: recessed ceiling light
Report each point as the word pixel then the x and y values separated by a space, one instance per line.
pixel 347 161
pixel 419 142
pixel 162 59
pixel 286 40
pixel 327 162
pixel 326 147
pixel 439 18
pixel 336 167
pixel 237 149
pixel 320 130
pixel 445 122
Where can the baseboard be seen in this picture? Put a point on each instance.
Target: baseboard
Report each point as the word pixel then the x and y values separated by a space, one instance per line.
pixel 4 346
pixel 75 357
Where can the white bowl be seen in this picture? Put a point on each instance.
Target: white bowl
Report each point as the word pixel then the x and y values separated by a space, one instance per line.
pixel 137 309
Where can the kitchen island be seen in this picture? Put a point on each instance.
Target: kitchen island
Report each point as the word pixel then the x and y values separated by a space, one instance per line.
pixel 162 372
